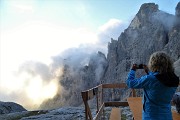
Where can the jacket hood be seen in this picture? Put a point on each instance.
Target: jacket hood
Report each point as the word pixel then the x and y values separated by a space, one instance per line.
pixel 168 79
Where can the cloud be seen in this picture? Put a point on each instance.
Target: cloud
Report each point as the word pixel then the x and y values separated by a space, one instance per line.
pixel 94 42
pixel 167 20
pixel 111 24
pixel 111 29
pixel 36 69
pixel 39 50
pixel 20 6
pixel 24 8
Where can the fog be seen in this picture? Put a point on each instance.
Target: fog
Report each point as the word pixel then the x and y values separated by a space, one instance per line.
pixel 34 82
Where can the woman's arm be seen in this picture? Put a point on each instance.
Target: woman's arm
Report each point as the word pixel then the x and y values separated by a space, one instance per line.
pixel 133 82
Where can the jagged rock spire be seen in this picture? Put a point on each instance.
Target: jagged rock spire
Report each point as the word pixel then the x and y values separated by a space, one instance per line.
pixel 148 8
pixel 178 10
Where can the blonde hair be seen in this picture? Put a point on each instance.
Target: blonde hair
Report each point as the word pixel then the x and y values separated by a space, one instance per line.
pixel 160 62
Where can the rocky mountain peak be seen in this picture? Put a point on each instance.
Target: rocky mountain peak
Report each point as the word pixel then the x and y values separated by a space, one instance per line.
pixel 145 12
pixel 177 20
pixel 151 30
pixel 178 10
pixel 147 8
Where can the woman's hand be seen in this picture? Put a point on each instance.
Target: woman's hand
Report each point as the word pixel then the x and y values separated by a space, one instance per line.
pixel 134 67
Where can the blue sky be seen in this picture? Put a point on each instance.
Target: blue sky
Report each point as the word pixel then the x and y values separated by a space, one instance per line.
pixel 36 30
pixel 75 13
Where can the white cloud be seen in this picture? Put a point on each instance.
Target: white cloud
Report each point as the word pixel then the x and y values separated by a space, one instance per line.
pixel 20 6
pixel 38 41
pixel 111 29
pixel 111 24
pixel 24 8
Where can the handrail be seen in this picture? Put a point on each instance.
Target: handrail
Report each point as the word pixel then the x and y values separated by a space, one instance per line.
pixel 87 95
pixel 98 92
pixel 121 85
pixel 98 115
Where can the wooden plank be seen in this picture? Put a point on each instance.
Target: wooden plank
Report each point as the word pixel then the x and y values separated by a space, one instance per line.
pixel 137 111
pixel 133 93
pixel 98 115
pixel 87 95
pixel 115 114
pixel 135 104
pixel 120 85
pixel 91 92
pixel 87 109
pixel 99 97
pixel 176 116
pixel 116 104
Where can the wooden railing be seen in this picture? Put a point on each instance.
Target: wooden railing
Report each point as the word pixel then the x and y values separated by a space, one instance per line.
pixel 98 93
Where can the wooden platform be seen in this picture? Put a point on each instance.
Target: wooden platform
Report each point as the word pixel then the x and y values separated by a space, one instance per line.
pixel 115 114
pixel 175 115
pixel 135 104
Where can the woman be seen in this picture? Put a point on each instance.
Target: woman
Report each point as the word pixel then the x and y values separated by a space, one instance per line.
pixel 158 86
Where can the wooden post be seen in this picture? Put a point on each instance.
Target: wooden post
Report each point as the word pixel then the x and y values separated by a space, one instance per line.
pixel 87 109
pixel 98 92
pixel 133 93
pixel 99 96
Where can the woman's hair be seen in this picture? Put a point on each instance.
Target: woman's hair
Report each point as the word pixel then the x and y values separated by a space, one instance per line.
pixel 160 62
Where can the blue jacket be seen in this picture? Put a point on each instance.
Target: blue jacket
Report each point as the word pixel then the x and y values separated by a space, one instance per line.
pixel 158 92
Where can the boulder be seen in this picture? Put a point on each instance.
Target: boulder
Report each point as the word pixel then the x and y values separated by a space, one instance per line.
pixel 10 107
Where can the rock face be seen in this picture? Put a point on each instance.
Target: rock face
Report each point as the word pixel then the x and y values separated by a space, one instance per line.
pixel 151 30
pixel 76 79
pixel 10 107
pixel 146 34
pixel 178 10
pixel 177 67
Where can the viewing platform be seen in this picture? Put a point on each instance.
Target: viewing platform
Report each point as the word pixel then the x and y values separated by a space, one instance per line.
pixel 134 102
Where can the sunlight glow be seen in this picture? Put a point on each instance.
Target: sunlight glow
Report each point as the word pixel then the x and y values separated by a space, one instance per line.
pixel 38 92
pixel 36 41
pixel 37 30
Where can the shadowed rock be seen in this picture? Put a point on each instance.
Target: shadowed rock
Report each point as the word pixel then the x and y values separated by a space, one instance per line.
pixel 10 107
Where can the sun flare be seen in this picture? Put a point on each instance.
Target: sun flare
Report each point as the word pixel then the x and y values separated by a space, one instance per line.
pixel 38 91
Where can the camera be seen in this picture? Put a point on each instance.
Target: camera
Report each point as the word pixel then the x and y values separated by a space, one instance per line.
pixel 140 66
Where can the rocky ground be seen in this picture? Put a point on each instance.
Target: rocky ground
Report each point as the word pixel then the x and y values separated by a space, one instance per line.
pixel 64 113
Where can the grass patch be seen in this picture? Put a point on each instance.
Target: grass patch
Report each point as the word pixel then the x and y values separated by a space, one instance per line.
pixel 123 117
